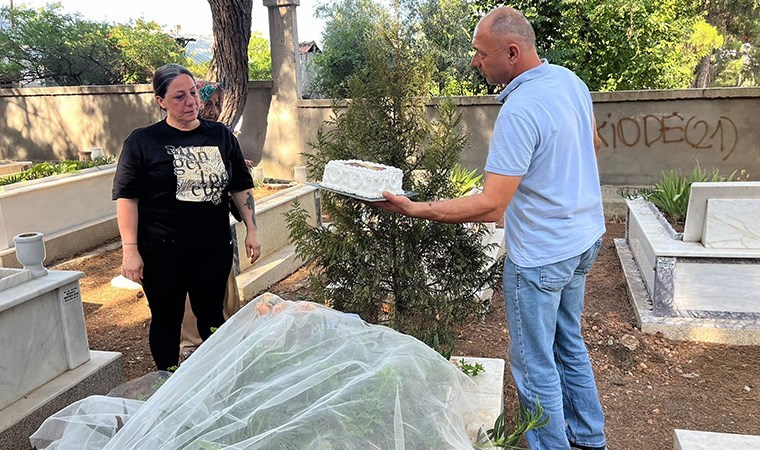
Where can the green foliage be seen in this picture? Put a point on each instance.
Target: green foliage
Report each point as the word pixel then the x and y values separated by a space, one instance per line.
pixel 437 30
pixel 737 61
pixel 525 420
pixel 259 58
pixel 347 40
pixel 704 39
pixel 144 46
pixel 442 30
pixel 447 351
pixel 737 64
pixel 199 69
pixel 471 370
pixel 619 44
pixel 610 44
pixel 465 180
pixel 47 45
pixel 419 277
pixel 671 194
pixel 47 169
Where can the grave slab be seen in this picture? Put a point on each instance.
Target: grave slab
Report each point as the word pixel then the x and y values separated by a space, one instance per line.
pixel 702 192
pixel 99 375
pixel 744 331
pixel 731 287
pixel 705 440
pixel 42 332
pixel 732 223
pixel 486 391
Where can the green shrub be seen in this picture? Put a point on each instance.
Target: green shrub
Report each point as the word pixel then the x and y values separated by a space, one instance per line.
pixel 417 276
pixel 671 194
pixel 46 169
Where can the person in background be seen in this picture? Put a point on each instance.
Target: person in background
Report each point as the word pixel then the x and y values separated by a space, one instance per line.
pixel 211 101
pixel 171 188
pixel 542 177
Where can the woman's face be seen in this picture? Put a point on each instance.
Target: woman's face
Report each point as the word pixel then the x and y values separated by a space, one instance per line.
pixel 213 106
pixel 181 101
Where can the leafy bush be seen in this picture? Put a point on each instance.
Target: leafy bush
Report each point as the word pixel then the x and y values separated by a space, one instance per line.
pixel 417 276
pixel 46 169
pixel 671 194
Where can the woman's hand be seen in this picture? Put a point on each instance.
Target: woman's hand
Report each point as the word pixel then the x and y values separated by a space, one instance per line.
pixel 132 263
pixel 252 246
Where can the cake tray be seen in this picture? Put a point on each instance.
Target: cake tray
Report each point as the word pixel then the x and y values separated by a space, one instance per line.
pixel 358 197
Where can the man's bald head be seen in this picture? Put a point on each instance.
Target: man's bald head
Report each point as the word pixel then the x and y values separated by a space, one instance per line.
pixel 507 22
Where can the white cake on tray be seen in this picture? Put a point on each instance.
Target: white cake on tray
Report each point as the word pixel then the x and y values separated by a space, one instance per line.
pixel 362 178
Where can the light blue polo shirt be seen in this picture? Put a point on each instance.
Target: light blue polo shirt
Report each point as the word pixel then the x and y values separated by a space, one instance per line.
pixel 544 133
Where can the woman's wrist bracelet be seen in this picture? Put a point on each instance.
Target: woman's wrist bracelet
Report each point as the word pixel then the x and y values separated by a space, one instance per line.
pixel 129 243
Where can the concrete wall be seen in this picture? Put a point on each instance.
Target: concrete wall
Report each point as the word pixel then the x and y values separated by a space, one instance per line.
pixel 40 124
pixel 645 132
pixel 56 123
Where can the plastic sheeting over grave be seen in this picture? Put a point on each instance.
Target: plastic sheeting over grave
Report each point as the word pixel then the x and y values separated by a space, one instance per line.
pixel 293 375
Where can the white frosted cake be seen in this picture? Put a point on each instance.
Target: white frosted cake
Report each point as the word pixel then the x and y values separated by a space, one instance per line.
pixel 362 178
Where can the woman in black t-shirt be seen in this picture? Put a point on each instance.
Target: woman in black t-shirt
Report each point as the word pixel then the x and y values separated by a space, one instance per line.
pixel 171 189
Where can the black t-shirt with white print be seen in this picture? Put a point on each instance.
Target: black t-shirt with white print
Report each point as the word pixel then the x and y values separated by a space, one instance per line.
pixel 181 180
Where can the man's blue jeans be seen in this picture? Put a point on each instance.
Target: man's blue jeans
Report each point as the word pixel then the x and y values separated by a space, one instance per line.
pixel 546 352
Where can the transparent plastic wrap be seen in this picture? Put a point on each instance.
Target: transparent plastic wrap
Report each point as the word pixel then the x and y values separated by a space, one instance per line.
pixel 286 375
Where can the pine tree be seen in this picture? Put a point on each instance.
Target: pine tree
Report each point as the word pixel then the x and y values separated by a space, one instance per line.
pixel 417 276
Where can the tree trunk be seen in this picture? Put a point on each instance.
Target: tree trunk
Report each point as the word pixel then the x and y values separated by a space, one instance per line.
pixel 232 31
pixel 703 73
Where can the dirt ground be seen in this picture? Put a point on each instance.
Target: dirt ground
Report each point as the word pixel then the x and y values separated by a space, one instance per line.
pixel 648 387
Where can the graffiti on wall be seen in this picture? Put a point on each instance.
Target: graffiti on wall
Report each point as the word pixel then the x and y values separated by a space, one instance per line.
pixel 720 134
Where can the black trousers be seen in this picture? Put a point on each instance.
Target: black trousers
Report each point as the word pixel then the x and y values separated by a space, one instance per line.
pixel 173 271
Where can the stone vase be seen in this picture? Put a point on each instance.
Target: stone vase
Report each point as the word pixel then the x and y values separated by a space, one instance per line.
pixel 30 252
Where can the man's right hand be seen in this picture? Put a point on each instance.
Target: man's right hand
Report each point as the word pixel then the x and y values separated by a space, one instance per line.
pixel 395 203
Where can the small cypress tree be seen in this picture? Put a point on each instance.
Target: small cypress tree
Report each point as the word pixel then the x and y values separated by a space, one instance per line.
pixel 417 276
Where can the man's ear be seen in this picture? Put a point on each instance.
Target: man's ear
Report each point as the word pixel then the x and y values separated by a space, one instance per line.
pixel 514 52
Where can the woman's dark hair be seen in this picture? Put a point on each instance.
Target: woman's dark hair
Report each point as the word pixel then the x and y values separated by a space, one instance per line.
pixel 164 75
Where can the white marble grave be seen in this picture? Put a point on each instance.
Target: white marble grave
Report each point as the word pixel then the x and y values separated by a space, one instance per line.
pixel 732 223
pixel 724 215
pixel 705 440
pixel 486 392
pixel 42 332
pixel 709 275
pixel 45 362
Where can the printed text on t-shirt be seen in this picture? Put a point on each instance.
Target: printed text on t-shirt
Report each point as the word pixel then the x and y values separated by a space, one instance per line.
pixel 200 171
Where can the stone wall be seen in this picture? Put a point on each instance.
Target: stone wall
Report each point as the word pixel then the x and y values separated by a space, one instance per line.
pixel 44 124
pixel 644 132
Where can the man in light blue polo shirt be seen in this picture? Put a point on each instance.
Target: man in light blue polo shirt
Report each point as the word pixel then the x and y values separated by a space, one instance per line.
pixel 541 174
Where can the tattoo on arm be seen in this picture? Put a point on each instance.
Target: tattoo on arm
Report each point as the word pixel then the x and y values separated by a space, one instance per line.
pixel 252 206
